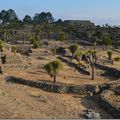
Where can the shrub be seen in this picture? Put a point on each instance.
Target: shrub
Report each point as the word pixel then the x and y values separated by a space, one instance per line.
pixel 110 53
pixel 61 36
pixel 14 49
pixel 73 49
pixel 107 40
pixel 53 50
pixel 1 45
pixel 36 44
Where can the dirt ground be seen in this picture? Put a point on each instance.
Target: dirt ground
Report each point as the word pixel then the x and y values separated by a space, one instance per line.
pixel 21 101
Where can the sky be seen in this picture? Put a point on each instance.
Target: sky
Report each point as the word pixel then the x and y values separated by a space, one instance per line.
pixel 98 11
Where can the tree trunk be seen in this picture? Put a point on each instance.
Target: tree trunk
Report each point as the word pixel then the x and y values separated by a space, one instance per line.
pixel 79 64
pixel 1 72
pixel 54 78
pixel 93 71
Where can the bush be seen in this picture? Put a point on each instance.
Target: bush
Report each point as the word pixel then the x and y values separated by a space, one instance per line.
pixel 61 36
pixel 53 50
pixel 73 49
pixel 1 45
pixel 14 49
pixel 36 44
pixel 110 55
pixel 107 40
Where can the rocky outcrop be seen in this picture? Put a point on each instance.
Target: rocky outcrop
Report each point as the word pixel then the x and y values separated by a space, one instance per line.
pixel 90 114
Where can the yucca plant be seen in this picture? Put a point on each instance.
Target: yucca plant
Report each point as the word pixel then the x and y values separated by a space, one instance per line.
pixel 73 49
pixel 53 68
pixel 78 56
pixel 91 55
pixel 110 53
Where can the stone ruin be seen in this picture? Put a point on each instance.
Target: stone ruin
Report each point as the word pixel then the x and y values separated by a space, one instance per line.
pixel 110 98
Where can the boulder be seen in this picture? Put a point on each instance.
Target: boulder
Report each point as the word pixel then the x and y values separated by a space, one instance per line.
pixel 90 114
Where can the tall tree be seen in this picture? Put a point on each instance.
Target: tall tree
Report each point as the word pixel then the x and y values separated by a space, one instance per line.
pixel 4 16
pixel 27 19
pixel 12 17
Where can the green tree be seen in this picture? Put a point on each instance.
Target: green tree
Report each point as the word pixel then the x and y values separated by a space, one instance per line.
pixel 12 17
pixel 27 19
pixel 107 40
pixel 43 18
pixel 73 49
pixel 53 69
pixel 61 36
pixel 3 16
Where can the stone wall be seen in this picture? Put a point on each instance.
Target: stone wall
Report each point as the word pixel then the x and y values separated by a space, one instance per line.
pixel 56 88
pixel 109 71
pixel 82 70
pixel 110 101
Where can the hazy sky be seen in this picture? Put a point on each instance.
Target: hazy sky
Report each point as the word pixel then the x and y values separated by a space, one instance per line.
pixel 98 11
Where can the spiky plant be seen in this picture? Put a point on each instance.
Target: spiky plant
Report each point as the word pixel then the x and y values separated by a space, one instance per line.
pixel 53 68
pixel 78 56
pixel 73 49
pixel 110 53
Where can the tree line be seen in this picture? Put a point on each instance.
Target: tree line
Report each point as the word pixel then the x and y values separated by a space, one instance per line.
pixel 48 27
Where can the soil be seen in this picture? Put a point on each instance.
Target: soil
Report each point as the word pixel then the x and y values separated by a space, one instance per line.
pixel 21 101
